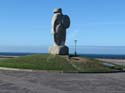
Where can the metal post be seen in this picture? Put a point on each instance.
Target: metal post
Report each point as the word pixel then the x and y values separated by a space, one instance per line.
pixel 75 47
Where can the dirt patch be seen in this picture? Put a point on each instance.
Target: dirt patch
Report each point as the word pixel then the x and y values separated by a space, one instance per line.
pixel 77 59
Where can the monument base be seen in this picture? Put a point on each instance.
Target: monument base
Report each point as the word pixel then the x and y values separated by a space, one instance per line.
pixel 59 50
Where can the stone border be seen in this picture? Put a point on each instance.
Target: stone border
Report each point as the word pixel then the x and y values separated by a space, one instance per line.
pixel 28 70
pixel 15 69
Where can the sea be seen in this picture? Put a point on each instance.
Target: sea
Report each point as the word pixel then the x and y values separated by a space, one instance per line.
pixel 108 56
pixel 114 52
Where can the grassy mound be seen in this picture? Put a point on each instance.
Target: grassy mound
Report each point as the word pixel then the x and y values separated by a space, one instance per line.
pixel 58 63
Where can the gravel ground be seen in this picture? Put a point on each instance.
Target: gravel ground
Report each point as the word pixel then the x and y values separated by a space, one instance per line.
pixel 54 82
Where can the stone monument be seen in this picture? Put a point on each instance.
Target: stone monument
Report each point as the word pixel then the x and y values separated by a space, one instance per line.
pixel 60 23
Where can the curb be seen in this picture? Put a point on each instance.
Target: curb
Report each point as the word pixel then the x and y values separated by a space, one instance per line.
pixel 28 70
pixel 15 69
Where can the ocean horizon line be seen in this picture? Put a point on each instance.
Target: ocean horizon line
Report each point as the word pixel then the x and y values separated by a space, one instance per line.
pixel 80 49
pixel 112 56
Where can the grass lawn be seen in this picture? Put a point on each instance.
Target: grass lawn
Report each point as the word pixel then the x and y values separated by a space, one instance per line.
pixel 58 63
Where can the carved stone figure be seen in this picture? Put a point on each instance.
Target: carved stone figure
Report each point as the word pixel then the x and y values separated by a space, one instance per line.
pixel 60 23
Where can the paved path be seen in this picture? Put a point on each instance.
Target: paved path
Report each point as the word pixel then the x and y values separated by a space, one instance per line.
pixel 54 82
pixel 115 61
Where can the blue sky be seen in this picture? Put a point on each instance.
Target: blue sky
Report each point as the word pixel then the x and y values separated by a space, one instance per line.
pixel 93 22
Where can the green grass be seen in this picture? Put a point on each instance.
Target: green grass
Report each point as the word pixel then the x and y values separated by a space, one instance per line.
pixel 38 62
pixel 51 62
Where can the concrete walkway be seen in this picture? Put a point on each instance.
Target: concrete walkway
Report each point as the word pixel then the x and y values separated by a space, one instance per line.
pixel 115 61
pixel 54 82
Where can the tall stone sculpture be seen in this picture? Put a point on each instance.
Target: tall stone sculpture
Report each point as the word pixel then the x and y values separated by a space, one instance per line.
pixel 60 23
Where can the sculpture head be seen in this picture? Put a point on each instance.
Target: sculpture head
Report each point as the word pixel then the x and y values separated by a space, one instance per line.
pixel 57 10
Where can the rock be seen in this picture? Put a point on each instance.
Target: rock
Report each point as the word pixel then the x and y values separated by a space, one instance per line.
pixel 59 50
pixel 60 23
